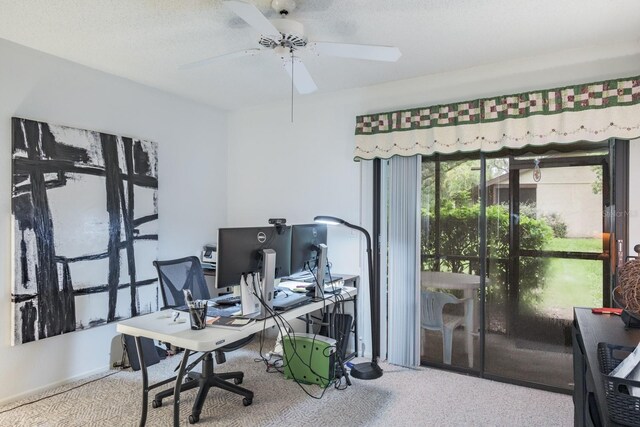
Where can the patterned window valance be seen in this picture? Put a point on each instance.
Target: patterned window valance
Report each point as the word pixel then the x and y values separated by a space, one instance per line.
pixel 587 112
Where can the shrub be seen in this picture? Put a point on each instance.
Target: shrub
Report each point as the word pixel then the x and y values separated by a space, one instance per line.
pixel 557 224
pixel 459 236
pixel 528 209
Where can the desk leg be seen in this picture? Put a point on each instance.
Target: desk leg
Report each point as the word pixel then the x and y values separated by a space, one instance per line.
pixel 176 388
pixel 145 382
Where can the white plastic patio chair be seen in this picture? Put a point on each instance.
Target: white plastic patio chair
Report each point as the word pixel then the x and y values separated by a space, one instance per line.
pixel 432 318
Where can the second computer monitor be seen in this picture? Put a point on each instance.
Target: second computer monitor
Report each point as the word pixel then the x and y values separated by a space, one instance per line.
pixel 305 239
pixel 240 252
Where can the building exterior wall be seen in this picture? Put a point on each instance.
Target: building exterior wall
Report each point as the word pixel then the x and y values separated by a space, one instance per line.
pixel 568 192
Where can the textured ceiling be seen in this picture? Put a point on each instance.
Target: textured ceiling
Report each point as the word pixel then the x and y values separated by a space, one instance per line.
pixel 148 40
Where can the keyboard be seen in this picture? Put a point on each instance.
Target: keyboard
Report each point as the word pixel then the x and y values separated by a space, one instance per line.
pixel 227 300
pixel 327 280
pixel 287 300
pixel 300 277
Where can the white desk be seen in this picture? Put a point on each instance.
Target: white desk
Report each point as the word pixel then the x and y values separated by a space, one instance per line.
pixel 211 338
pixel 469 284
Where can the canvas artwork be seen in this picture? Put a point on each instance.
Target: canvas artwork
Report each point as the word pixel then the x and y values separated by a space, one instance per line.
pixel 84 231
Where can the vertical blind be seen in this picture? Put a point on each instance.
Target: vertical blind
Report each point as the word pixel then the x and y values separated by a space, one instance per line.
pixel 403 243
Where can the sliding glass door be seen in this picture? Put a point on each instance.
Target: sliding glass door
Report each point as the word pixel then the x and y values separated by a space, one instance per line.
pixel 509 246
pixel 552 208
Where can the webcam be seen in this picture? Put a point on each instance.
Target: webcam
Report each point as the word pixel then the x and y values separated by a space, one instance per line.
pixel 277 221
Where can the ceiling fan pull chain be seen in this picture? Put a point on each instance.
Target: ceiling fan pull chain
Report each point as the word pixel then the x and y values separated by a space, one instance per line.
pixel 292 71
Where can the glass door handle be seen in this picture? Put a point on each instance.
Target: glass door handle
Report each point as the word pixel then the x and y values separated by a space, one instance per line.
pixel 621 257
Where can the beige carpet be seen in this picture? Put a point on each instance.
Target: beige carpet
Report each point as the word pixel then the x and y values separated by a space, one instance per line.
pixel 402 397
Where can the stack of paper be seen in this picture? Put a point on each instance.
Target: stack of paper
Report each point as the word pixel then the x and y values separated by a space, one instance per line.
pixel 208 265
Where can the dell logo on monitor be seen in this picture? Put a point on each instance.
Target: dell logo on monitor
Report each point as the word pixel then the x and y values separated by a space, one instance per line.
pixel 262 237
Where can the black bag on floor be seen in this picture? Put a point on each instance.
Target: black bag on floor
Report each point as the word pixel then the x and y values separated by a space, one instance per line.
pixel 151 356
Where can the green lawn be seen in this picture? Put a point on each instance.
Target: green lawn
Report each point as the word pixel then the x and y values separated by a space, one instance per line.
pixel 572 282
pixel 575 245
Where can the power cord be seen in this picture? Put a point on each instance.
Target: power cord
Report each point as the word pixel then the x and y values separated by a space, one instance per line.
pixel 284 329
pixel 125 358
pixel 337 329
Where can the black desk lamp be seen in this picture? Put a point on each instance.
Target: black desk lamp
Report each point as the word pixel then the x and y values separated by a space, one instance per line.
pixel 366 370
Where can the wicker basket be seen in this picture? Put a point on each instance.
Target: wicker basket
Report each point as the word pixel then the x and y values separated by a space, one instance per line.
pixel 623 408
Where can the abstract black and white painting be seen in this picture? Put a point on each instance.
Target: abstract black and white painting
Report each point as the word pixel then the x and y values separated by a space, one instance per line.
pixel 85 229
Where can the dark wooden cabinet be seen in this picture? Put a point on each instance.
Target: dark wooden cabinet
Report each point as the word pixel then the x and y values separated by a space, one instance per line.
pixel 590 405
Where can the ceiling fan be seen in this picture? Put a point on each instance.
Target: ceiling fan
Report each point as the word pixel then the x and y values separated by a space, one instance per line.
pixel 285 38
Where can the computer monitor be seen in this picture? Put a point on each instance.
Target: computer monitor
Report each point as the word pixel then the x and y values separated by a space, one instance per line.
pixel 240 251
pixel 305 242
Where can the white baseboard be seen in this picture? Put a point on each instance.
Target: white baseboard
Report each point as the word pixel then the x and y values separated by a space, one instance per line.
pixel 32 392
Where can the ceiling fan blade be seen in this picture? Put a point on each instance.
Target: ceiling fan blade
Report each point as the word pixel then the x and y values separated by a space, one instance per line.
pixel 358 51
pixel 300 75
pixel 207 61
pixel 252 16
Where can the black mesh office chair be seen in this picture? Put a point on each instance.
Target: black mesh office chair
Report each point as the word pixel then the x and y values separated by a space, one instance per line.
pixel 186 273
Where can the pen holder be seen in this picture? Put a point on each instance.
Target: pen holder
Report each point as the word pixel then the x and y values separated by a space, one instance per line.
pixel 198 317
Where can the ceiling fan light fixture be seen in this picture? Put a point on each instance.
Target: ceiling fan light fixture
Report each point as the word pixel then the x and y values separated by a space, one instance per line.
pixel 291 35
pixel 282 51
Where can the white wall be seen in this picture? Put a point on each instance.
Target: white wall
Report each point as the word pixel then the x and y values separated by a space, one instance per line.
pixel 297 171
pixel 192 186
pixel 302 169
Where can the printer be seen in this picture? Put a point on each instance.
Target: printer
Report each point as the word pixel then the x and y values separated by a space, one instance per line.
pixel 209 256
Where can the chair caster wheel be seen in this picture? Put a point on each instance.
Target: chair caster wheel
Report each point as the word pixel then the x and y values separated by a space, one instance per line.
pixel 246 401
pixel 194 419
pixel 156 403
pixel 237 380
